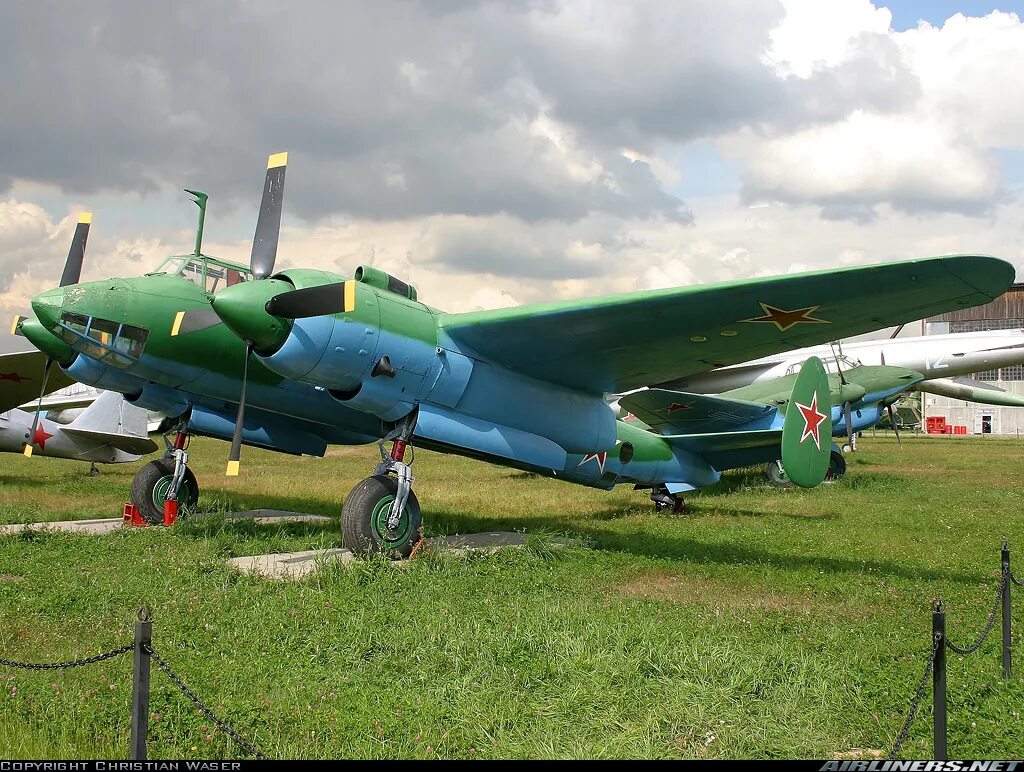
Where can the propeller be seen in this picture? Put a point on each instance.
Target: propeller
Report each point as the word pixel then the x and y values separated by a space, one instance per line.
pixel 234 457
pixel 322 300
pixel 76 254
pixel 71 275
pixel 847 407
pixel 261 263
pixel 39 406
pixel 892 423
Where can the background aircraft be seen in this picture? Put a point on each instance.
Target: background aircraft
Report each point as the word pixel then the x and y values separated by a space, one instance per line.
pixel 108 430
pixel 943 361
pixel 312 358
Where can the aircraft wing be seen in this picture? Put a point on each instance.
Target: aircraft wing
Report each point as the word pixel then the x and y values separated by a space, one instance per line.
pixel 620 342
pixel 21 376
pixel 676 412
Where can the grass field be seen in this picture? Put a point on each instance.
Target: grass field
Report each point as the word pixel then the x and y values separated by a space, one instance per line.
pixel 765 623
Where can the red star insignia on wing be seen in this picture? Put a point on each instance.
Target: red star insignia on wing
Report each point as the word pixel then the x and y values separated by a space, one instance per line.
pixel 812 421
pixel 13 377
pixel 41 436
pixel 676 406
pixel 600 458
pixel 784 319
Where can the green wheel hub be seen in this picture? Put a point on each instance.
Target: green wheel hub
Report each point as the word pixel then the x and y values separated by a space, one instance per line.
pixel 160 491
pixel 379 523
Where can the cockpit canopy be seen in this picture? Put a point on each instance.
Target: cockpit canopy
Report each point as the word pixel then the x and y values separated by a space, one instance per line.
pixel 209 273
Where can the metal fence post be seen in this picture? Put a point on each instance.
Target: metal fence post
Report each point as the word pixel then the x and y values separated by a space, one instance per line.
pixel 1007 663
pixel 939 682
pixel 140 684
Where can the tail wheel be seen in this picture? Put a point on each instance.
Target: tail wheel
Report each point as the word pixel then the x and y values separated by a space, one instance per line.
pixel 777 475
pixel 836 466
pixel 149 490
pixel 364 519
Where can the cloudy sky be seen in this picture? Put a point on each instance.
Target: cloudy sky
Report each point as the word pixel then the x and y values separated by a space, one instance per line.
pixel 507 152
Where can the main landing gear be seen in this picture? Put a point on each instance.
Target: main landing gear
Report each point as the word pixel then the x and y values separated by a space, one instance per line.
pixel 166 483
pixel 668 502
pixel 381 514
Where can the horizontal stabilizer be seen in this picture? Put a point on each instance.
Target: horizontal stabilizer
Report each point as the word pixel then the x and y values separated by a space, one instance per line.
pixel 136 446
pixel 681 413
pixel 113 421
pixel 726 441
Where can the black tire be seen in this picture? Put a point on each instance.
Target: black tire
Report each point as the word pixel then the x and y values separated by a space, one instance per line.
pixel 150 484
pixel 836 466
pixel 777 475
pixel 362 530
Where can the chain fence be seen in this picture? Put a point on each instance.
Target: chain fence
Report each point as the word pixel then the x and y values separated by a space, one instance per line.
pixel 144 652
pixel 203 708
pixel 989 624
pixel 915 703
pixel 936 663
pixel 72 663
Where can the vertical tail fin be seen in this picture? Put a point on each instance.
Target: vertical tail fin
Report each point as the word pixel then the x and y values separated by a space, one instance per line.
pixel 807 432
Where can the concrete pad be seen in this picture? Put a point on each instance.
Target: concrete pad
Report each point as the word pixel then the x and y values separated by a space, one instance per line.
pixel 270 516
pixel 289 565
pixel 293 565
pixel 95 527
pixel 111 524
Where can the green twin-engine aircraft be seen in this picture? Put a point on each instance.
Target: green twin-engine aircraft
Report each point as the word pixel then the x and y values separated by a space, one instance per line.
pixel 302 358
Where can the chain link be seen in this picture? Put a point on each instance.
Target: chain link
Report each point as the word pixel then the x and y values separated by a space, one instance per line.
pixel 73 663
pixel 915 703
pixel 1015 580
pixel 223 725
pixel 988 625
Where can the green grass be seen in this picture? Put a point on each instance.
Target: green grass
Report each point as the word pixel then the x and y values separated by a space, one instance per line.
pixel 766 623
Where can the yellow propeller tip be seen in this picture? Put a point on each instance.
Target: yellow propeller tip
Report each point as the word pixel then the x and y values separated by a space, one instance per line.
pixel 15 323
pixel 28 451
pixel 232 470
pixel 85 218
pixel 277 159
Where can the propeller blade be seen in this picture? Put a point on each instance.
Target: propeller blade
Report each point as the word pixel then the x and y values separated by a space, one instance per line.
pixel 194 321
pixel 851 441
pixel 73 267
pixel 892 422
pixel 268 226
pixel 16 325
pixel 236 441
pixel 39 406
pixel 314 301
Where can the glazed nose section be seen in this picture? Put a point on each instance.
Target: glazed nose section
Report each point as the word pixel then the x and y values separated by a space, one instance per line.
pixel 48 306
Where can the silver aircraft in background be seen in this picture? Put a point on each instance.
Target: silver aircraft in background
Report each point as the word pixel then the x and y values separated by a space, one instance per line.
pixel 946 361
pixel 95 426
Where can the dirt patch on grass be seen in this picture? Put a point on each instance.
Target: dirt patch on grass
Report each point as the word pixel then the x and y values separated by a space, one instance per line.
pixel 690 590
pixel 11 578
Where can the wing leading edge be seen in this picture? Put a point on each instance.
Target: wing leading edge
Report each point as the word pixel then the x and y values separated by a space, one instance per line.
pixel 621 342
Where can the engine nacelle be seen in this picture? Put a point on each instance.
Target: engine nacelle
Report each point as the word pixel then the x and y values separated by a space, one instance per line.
pixel 374 358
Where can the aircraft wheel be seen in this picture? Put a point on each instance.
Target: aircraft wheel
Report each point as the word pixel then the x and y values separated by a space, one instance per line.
pixel 836 466
pixel 777 475
pixel 364 518
pixel 150 486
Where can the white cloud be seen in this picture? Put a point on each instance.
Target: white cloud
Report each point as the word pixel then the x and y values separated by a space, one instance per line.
pixel 815 35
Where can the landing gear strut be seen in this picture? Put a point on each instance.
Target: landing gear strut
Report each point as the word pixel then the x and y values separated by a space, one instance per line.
pixel 167 482
pixel 668 502
pixel 381 515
